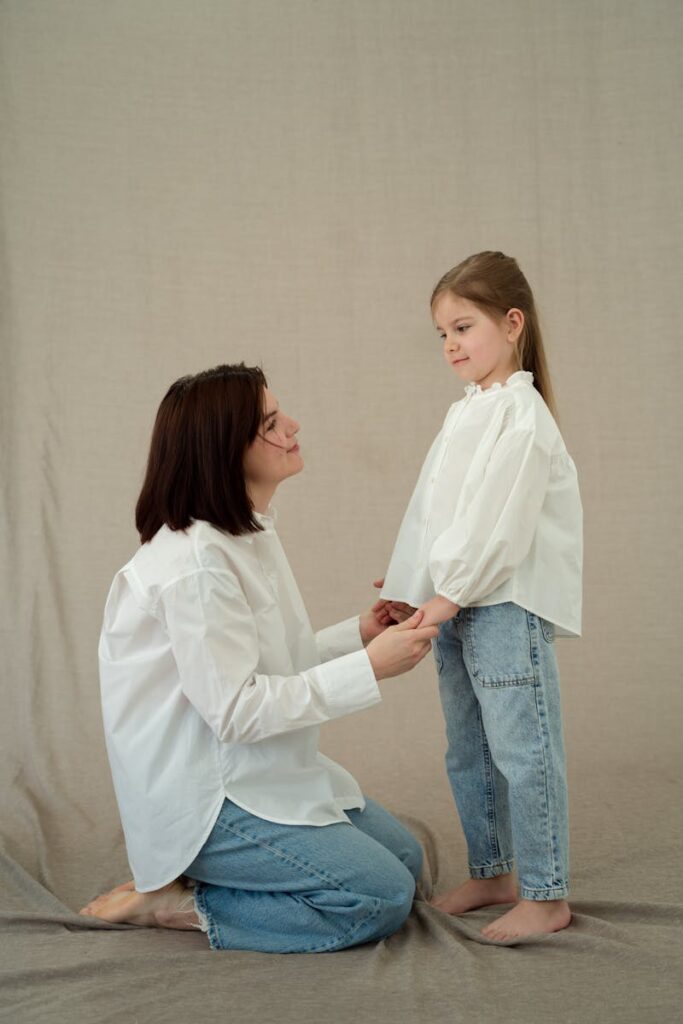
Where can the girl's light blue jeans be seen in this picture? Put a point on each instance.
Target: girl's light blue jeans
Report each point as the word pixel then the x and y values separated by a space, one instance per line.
pixel 304 888
pixel 500 693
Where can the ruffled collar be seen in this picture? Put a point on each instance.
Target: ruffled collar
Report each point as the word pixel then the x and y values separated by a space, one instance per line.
pixel 518 377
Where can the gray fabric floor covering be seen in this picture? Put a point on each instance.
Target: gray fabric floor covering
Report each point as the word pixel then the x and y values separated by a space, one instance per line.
pixel 619 960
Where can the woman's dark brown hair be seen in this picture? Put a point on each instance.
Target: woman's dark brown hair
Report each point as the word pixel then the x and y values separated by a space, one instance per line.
pixel 495 283
pixel 195 467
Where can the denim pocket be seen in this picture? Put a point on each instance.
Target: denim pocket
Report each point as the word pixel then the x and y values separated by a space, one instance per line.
pixel 498 645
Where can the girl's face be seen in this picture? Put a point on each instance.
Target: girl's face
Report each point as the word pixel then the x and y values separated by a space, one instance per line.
pixel 478 348
pixel 274 453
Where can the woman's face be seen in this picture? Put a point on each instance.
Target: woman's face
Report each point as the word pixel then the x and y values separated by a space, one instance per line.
pixel 479 348
pixel 274 453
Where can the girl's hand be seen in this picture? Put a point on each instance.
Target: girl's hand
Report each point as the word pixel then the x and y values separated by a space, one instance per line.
pixel 438 609
pixel 375 621
pixel 392 611
pixel 400 611
pixel 382 615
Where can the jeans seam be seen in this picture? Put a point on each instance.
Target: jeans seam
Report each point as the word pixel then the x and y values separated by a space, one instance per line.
pixel 491 819
pixel 546 781
pixel 284 855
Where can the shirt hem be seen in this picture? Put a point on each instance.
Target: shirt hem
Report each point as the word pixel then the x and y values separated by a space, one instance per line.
pixel 343 806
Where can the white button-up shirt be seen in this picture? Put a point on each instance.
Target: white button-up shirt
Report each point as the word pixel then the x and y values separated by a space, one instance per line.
pixel 213 686
pixel 496 513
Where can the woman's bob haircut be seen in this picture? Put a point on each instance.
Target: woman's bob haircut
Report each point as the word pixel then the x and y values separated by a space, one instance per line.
pixel 195 467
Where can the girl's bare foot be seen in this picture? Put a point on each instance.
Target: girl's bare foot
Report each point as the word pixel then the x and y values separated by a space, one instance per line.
pixel 169 907
pixel 478 892
pixel 529 917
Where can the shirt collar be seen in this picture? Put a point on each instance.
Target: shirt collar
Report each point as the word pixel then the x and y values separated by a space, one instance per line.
pixel 518 377
pixel 268 518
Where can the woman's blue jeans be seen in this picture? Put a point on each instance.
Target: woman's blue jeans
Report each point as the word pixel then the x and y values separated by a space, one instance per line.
pixel 304 888
pixel 500 693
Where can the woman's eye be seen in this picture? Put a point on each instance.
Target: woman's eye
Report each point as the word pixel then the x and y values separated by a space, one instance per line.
pixel 463 327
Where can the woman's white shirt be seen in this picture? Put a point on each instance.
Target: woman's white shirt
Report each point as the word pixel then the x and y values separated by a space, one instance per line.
pixel 214 685
pixel 496 513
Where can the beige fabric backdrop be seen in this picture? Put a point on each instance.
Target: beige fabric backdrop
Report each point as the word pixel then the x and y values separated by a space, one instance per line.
pixel 191 183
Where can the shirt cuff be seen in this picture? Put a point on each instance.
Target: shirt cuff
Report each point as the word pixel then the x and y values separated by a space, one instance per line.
pixel 342 638
pixel 348 683
pixel 441 592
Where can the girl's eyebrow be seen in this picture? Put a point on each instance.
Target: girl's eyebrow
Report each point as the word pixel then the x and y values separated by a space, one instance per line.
pixel 270 414
pixel 454 322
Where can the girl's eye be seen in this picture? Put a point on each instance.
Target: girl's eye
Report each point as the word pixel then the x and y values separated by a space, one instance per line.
pixel 272 425
pixel 463 327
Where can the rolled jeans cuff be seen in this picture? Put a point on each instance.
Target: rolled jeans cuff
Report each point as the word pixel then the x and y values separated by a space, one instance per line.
pixel 504 867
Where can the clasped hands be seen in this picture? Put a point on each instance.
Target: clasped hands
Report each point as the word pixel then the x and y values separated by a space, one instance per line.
pixel 388 613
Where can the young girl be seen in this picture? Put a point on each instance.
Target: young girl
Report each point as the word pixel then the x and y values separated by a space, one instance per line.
pixel 491 550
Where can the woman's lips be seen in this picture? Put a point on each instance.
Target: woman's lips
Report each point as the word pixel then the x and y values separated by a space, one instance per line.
pixel 295 448
pixel 456 361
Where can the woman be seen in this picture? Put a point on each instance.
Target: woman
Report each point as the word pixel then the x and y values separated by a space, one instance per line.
pixel 213 690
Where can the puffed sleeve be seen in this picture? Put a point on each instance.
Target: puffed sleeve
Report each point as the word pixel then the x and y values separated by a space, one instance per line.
pixel 493 528
pixel 214 641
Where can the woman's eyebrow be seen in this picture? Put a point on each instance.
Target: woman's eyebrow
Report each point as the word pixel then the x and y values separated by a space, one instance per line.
pixel 270 414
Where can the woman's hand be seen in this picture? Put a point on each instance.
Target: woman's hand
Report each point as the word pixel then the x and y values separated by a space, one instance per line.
pixel 437 609
pixel 400 647
pixel 375 621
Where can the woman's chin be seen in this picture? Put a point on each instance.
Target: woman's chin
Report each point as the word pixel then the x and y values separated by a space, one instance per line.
pixel 297 464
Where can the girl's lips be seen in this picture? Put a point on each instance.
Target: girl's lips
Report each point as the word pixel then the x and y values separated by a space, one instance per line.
pixel 456 361
pixel 295 448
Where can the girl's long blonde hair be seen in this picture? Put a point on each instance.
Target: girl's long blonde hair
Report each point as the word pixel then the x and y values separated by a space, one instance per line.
pixel 494 283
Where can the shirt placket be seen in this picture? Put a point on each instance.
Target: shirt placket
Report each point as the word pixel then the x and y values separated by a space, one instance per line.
pixel 435 472
pixel 270 576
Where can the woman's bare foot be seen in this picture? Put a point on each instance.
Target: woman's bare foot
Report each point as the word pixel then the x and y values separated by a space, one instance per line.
pixel 478 892
pixel 530 917
pixel 169 907
pixel 87 909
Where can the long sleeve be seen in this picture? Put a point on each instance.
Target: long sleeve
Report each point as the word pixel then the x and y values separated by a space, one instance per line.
pixel 339 639
pixel 214 641
pixel 493 529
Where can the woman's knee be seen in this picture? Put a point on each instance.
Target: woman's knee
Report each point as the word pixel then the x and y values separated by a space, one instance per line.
pixel 414 857
pixel 393 899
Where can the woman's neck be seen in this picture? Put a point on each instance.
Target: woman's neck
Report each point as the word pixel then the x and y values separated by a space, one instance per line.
pixel 261 496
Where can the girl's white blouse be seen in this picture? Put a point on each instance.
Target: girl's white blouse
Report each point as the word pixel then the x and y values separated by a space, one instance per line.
pixel 496 513
pixel 213 685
